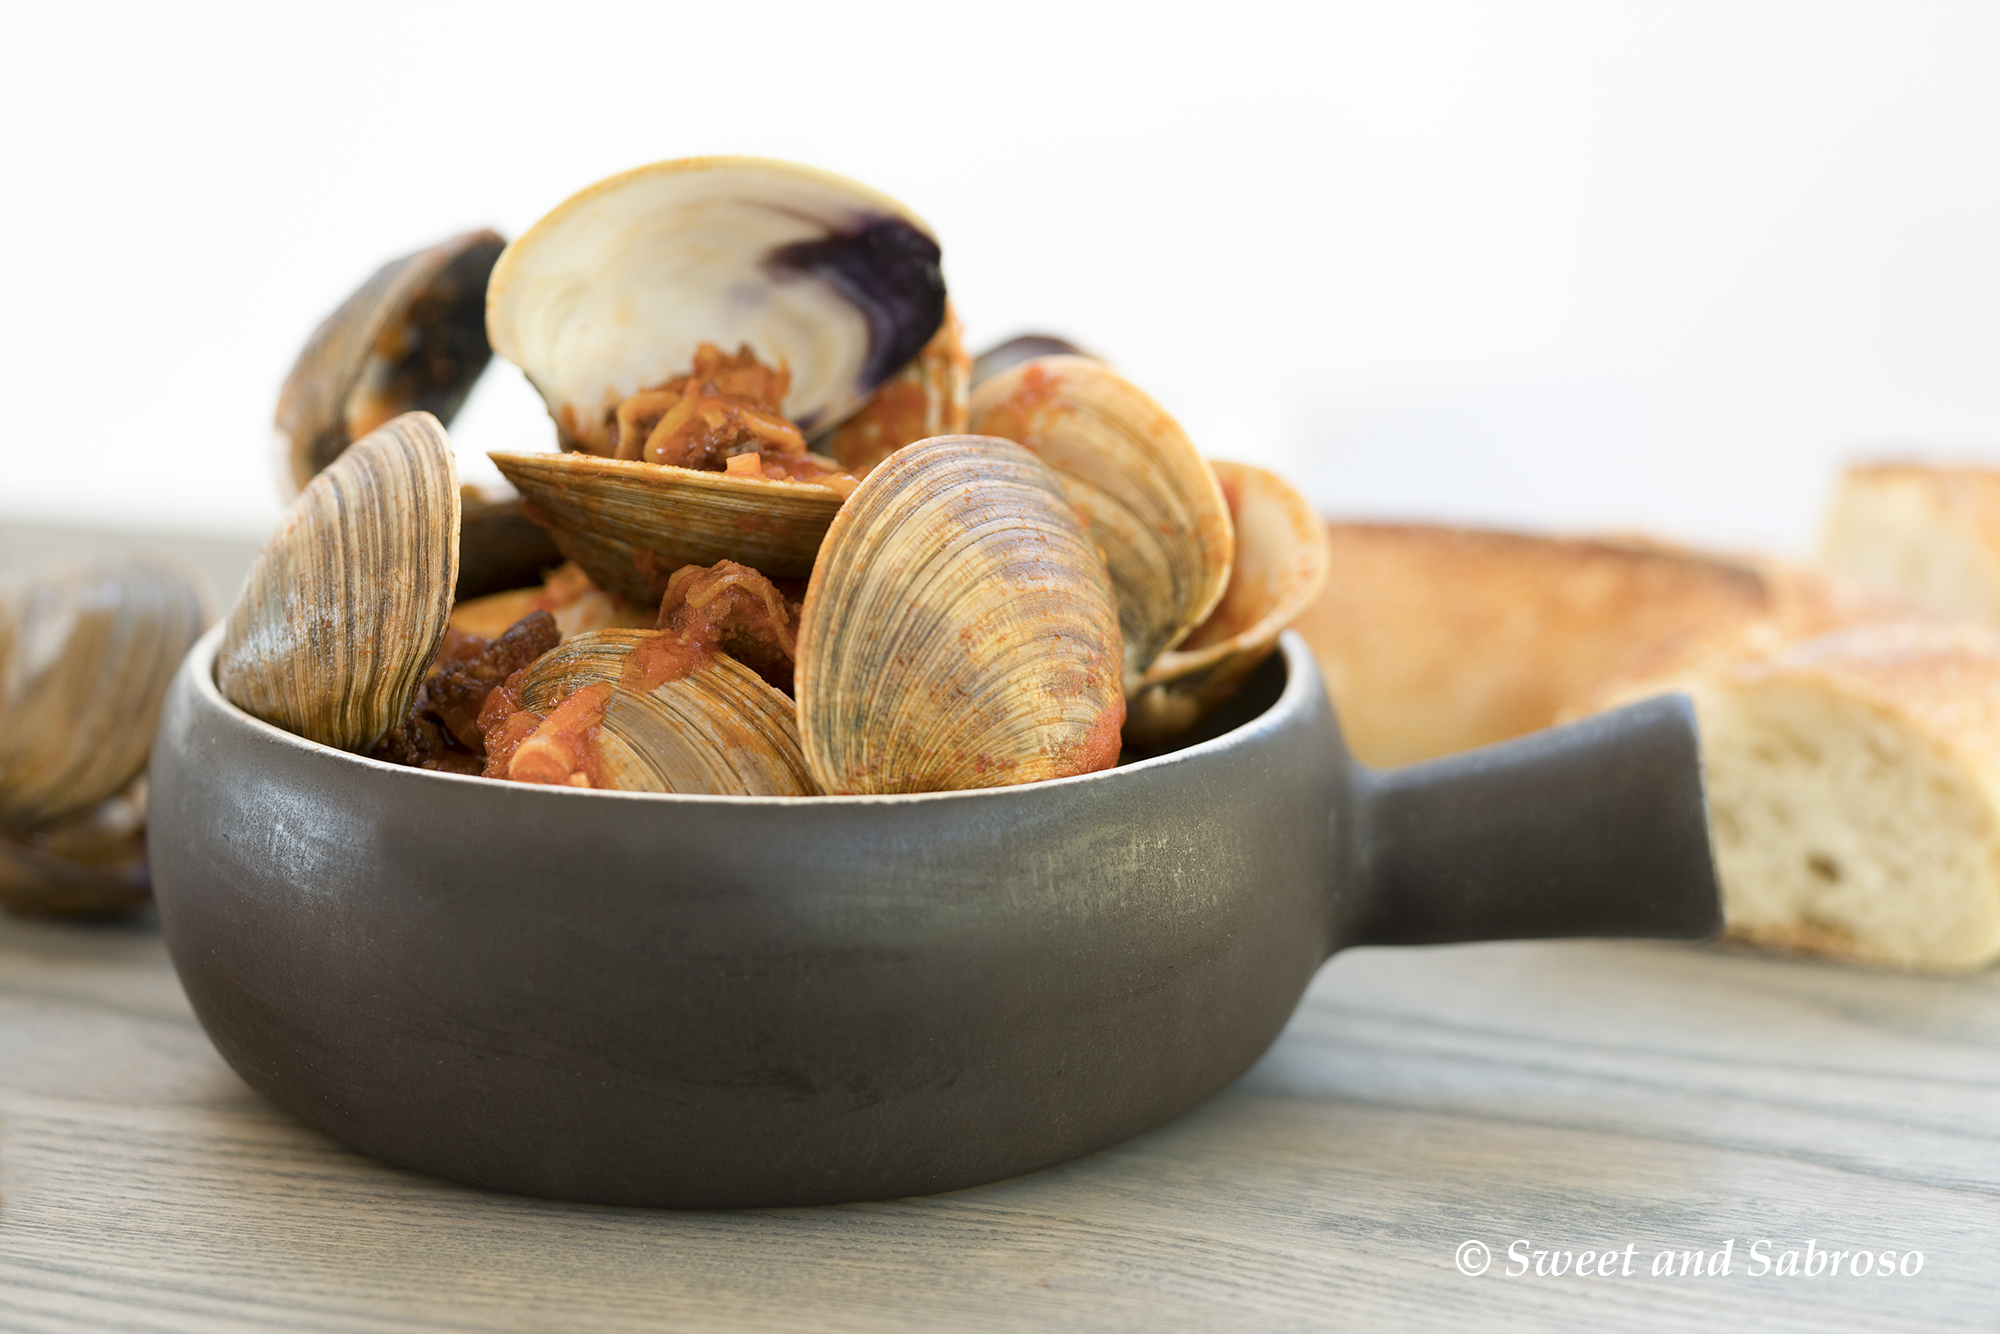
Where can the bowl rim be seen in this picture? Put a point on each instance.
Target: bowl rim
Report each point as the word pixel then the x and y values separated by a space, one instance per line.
pixel 1301 685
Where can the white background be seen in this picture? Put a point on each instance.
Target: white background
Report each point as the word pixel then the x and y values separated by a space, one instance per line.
pixel 1602 266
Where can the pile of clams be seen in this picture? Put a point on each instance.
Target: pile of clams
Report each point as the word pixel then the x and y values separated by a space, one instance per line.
pixel 786 545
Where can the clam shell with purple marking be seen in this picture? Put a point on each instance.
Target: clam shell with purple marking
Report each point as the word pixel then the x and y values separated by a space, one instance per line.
pixel 618 285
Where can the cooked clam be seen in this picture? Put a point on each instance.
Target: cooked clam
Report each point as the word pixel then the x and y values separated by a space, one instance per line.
pixel 1153 505
pixel 959 631
pixel 1022 347
pixel 619 285
pixel 86 655
pixel 622 307
pixel 719 729
pixel 631 524
pixel 412 338
pixel 346 604
pixel 928 397
pixel 1280 566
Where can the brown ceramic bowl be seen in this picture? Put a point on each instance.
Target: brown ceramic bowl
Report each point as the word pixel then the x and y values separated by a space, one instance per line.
pixel 697 1001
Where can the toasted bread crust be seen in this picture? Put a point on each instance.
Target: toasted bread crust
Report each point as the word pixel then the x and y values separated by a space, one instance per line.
pixel 1435 639
pixel 1925 532
pixel 1939 677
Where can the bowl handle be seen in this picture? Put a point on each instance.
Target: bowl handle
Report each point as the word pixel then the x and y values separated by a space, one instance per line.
pixel 1599 828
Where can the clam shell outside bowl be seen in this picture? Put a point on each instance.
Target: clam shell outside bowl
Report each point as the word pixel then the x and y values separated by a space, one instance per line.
pixel 705 1001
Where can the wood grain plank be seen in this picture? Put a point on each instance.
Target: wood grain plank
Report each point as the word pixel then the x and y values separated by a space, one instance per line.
pixel 1576 1094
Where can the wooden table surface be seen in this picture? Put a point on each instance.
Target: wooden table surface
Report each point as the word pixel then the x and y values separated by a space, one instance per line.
pixel 1573 1095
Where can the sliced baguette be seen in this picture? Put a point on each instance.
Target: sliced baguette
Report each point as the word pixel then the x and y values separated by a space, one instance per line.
pixel 1849 741
pixel 1927 533
pixel 1854 791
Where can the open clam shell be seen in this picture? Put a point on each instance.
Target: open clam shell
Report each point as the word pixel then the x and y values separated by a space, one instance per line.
pixel 1281 564
pixel 721 729
pixel 619 284
pixel 86 655
pixel 346 604
pixel 959 630
pixel 411 338
pixel 630 525
pixel 1154 507
pixel 930 396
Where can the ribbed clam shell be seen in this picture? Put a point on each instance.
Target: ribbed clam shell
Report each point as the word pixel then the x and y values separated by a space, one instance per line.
pixel 721 729
pixel 369 361
pixel 618 285
pixel 86 655
pixel 346 605
pixel 1281 564
pixel 1021 347
pixel 959 630
pixel 1154 508
pixel 630 525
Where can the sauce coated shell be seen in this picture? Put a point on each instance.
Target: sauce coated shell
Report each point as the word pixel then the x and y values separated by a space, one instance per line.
pixel 1153 506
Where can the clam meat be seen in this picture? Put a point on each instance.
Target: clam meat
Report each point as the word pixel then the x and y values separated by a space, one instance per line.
pixel 566 593
pixel 928 397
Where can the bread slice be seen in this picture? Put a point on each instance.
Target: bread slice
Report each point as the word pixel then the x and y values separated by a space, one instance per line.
pixel 1929 534
pixel 1434 639
pixel 1851 744
pixel 1854 791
